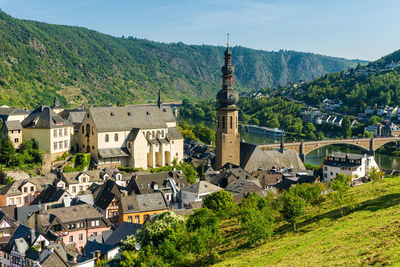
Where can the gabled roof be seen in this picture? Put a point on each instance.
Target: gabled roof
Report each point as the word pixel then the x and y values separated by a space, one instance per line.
pixel 73 177
pixel 25 237
pixel 108 192
pixel 240 186
pixel 69 214
pixel 50 194
pixel 112 119
pixel 92 246
pixel 54 259
pixel 144 183
pixel 202 187
pixel 143 202
pixel 7 111
pixel 124 230
pixel 44 118
pixel 13 125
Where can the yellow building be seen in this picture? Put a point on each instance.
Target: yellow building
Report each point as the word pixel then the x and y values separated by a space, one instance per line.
pixel 52 132
pixel 138 208
pixel 140 136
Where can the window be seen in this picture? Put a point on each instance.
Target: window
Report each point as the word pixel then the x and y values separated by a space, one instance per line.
pixel 325 168
pixel 230 122
pixel 162 133
pixel 26 199
pixel 87 129
pixel 115 137
pixel 130 219
pixel 65 144
pixel 55 133
pixel 25 189
pixel 71 238
pixel 11 201
pixel 106 138
pixel 55 145
pixel 74 189
pixel 97 223
pixel 331 173
pixel 83 129
pixel 18 201
pixel 65 131
pixel 82 225
pixel 60 145
pixel 136 218
pixel 152 134
pixel 60 132
pixel 80 188
pixel 223 122
pixel 80 237
pixel 16 140
pixel 32 188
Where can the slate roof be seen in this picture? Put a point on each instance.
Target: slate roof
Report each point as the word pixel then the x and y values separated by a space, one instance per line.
pixel 13 125
pixel 44 118
pixel 144 183
pixel 92 246
pixel 50 194
pixel 22 213
pixel 69 214
pixel 114 152
pixel 108 191
pixel 73 177
pixel 73 116
pixel 202 187
pixel 253 158
pixel 54 260
pixel 124 230
pixel 13 111
pixel 143 202
pixel 14 188
pixel 174 134
pixel 113 119
pixel 23 238
pixel 243 186
pixel 267 179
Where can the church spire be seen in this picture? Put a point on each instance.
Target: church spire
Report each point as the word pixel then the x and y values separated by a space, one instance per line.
pixel 159 102
pixel 227 96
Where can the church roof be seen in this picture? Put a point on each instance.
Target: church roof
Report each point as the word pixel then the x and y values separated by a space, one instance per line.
pixel 253 158
pixel 113 152
pixel 108 119
pixel 174 134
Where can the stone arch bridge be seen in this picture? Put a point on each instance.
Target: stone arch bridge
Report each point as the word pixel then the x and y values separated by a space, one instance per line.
pixel 303 148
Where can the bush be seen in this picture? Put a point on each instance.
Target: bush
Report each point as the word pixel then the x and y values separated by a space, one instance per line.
pixel 222 203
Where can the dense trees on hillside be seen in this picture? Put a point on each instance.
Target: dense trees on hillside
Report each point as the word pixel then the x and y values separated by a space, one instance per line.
pixel 80 66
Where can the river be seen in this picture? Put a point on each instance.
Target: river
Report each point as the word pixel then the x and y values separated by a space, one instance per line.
pixel 315 157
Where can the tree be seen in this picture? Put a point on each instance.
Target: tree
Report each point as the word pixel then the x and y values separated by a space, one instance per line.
pixel 221 202
pixel 7 151
pixel 293 207
pixel 256 218
pixel 368 134
pixel 340 185
pixel 346 127
pixel 309 130
pixel 202 217
pixel 374 174
pixel 204 134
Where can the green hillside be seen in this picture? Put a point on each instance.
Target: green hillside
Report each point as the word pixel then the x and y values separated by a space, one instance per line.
pixel 39 61
pixel 376 83
pixel 368 234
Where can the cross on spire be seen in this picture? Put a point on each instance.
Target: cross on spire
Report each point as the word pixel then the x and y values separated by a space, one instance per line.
pixel 227 38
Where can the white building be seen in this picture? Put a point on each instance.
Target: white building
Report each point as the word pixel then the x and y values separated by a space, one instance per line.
pixel 353 165
pixel 140 136
pixel 197 192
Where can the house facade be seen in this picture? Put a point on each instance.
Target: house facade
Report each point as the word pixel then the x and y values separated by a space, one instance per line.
pixel 140 136
pixel 13 129
pixel 353 165
pixel 138 208
pixel 72 224
pixel 52 132
pixel 197 192
pixel 76 182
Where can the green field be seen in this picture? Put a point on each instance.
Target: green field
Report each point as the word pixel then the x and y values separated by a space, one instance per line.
pixel 368 234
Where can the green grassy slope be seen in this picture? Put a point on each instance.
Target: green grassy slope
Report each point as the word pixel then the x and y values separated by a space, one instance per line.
pixel 369 234
pixel 39 61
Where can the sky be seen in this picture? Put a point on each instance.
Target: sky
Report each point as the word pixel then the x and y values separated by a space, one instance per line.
pixel 353 29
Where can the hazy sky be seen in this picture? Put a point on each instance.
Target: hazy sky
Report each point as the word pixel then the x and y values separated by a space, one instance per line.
pixel 363 29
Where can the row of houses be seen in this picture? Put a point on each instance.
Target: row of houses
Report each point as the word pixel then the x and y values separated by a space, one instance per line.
pixel 139 136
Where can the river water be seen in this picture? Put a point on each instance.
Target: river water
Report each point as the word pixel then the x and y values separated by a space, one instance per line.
pixel 315 157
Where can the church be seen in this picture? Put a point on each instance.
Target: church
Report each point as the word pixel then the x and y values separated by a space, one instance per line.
pixel 139 136
pixel 229 149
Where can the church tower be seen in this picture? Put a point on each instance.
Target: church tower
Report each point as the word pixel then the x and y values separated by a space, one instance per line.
pixel 227 139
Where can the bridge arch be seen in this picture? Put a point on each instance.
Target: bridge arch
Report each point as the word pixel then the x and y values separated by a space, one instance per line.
pixel 312 147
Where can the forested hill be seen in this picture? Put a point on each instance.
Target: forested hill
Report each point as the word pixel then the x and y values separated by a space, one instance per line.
pixel 376 83
pixel 39 61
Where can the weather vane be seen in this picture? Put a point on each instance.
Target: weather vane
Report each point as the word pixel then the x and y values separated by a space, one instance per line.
pixel 227 38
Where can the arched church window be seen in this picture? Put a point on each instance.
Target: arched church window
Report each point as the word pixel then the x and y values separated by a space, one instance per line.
pixel 106 138
pixel 116 137
pixel 223 122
